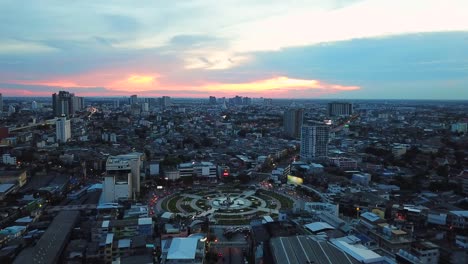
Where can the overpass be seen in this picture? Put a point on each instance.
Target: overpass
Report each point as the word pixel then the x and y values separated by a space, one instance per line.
pixel 46 122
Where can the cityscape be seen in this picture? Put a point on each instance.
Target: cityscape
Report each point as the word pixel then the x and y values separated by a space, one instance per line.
pixel 237 132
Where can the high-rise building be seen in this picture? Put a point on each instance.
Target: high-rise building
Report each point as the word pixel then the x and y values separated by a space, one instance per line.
pixel 122 180
pixel 340 109
pixel 292 122
pixel 1 104
pixel 165 101
pixel 34 105
pixel 212 100
pixel 314 141
pixel 133 99
pixel 62 129
pixel 66 104
pixel 145 107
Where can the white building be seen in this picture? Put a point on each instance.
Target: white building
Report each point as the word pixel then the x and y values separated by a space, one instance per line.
pixel 186 250
pixel 63 129
pixel 8 159
pixel 122 180
pixel 314 141
pixel 206 170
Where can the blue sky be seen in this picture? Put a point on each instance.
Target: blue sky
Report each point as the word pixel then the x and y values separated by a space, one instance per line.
pixel 280 49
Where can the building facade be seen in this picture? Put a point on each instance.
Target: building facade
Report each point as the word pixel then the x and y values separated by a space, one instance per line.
pixel 340 109
pixel 292 122
pixel 314 141
pixel 62 129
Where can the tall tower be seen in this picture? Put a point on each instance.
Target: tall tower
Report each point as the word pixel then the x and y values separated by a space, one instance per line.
pixel 212 100
pixel 165 101
pixel 62 129
pixel 1 104
pixel 292 122
pixel 66 104
pixel 314 141
pixel 133 99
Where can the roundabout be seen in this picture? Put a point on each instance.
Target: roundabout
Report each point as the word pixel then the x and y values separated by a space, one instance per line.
pixel 227 205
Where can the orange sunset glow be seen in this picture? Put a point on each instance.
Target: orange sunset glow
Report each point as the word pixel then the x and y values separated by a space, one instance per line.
pixel 149 85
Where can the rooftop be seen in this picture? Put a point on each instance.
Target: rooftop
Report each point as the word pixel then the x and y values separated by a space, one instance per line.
pixel 183 248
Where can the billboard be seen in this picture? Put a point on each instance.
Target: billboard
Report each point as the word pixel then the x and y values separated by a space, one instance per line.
pixel 295 180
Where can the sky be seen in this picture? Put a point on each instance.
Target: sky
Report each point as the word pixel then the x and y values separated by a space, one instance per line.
pixel 345 49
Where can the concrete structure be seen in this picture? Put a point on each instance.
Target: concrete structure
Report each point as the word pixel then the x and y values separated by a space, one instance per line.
pixel 340 109
pixel 186 250
pixel 201 170
pixel 66 104
pixel 420 252
pixel 306 249
pixel 165 101
pixel 1 104
pixel 212 100
pixel 314 141
pixel 17 177
pixel 8 159
pixel 63 129
pixel 122 180
pixel 50 246
pixel 133 100
pixel 292 122
pixel 459 128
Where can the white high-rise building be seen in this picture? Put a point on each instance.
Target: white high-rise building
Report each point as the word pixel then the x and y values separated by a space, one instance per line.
pixel 314 141
pixel 145 107
pixel 122 180
pixel 62 129
pixel 34 105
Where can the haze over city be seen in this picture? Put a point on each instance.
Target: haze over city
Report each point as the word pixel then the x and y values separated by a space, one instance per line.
pixel 276 49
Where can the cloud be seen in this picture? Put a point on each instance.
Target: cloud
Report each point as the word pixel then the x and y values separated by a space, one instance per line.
pixel 148 85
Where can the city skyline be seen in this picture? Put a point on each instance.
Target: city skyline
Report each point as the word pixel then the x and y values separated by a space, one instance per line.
pixel 306 49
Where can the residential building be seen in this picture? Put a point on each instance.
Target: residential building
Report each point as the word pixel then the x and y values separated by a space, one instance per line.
pixel 314 141
pixel 66 104
pixel 133 99
pixel 8 159
pixel 340 109
pixel 292 122
pixel 63 129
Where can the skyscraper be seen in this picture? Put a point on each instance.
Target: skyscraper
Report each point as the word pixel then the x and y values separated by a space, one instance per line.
pixel 165 101
pixel 212 100
pixel 314 141
pixel 133 99
pixel 292 122
pixel 62 129
pixel 340 109
pixel 1 104
pixel 66 104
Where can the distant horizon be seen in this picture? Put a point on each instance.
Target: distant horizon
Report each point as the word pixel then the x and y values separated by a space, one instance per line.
pixel 299 99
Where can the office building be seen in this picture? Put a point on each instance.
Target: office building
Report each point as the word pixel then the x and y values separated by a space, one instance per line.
pixel 62 129
pixel 122 180
pixel 314 141
pixel 340 109
pixel 1 104
pixel 66 104
pixel 292 122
